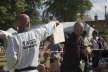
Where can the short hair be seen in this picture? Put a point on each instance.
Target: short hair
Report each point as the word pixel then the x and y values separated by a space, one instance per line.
pixel 94 33
pixel 78 24
pixel 22 16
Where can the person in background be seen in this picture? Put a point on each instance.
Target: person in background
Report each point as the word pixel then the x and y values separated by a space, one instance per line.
pixel 100 43
pixel 95 53
pixel 94 40
pixel 55 48
pixel 54 64
pixel 23 48
pixel 86 51
pixel 1 68
pixel 41 68
pixel 71 57
pixel 105 45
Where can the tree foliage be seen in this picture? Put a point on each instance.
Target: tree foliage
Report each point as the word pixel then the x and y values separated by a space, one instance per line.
pixel 9 9
pixel 66 10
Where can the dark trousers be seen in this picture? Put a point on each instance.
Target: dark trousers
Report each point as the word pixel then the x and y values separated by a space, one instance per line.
pixel 70 68
pixel 95 59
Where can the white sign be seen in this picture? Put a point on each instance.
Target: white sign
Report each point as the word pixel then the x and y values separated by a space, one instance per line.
pixel 59 34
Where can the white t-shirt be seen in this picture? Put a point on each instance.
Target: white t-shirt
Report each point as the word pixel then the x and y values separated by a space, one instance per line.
pixel 95 44
pixel 23 48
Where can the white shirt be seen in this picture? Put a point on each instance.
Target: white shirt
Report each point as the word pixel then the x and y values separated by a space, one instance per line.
pixel 23 48
pixel 95 44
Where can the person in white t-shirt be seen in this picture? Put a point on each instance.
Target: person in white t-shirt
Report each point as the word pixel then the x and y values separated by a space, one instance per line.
pixel 23 48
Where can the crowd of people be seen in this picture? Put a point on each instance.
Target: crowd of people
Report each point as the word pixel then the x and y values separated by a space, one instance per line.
pixel 55 54
pixel 32 50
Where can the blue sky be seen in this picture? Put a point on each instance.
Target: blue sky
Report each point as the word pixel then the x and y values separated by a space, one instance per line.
pixel 98 8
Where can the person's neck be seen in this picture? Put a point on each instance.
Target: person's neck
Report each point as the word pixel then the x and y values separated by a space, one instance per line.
pixel 77 35
pixel 23 30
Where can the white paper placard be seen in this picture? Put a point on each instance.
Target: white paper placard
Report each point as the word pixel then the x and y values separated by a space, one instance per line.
pixel 59 34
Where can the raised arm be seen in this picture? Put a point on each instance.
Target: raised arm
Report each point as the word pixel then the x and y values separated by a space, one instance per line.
pixel 46 30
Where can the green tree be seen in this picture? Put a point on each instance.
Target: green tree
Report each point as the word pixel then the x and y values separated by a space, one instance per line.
pixel 66 10
pixel 9 9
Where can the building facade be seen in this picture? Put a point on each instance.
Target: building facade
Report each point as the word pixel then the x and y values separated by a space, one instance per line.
pixel 99 25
